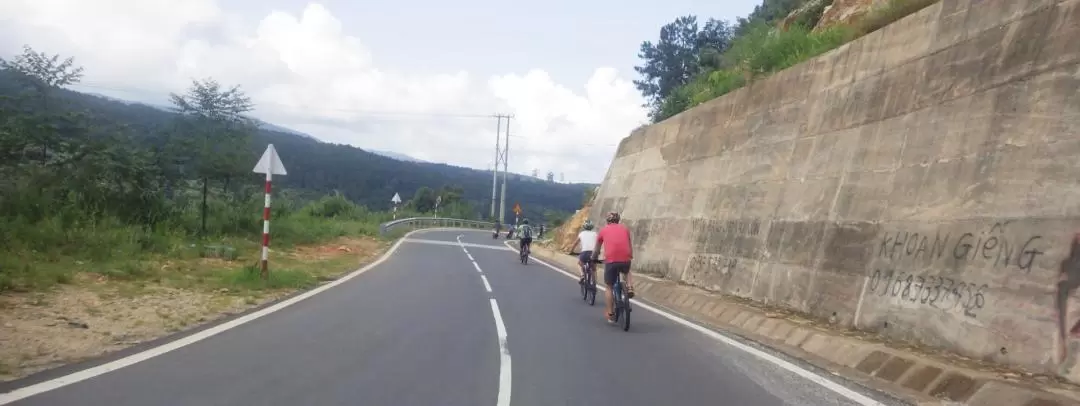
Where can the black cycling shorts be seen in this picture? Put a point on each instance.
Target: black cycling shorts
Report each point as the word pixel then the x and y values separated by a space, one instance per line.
pixel 613 269
pixel 584 257
pixel 525 241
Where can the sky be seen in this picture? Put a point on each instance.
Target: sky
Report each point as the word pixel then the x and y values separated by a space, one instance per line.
pixel 422 78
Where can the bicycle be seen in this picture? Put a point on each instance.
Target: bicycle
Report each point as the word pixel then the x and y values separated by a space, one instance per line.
pixel 622 303
pixel 588 288
pixel 524 253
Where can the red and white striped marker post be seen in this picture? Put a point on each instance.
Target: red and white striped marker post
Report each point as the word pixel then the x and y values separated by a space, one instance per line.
pixel 395 200
pixel 270 165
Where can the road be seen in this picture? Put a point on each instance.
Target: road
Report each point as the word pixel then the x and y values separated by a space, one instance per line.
pixel 421 328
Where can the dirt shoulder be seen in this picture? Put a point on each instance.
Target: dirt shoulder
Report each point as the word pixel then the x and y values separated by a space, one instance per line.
pixel 95 314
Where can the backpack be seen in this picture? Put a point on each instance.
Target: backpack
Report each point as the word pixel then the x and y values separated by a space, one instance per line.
pixel 526 232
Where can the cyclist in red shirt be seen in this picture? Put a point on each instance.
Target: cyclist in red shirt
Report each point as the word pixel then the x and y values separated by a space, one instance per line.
pixel 614 238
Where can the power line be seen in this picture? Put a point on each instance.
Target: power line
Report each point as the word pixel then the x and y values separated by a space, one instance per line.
pixel 369 113
pixel 322 109
pixel 502 151
pixel 576 143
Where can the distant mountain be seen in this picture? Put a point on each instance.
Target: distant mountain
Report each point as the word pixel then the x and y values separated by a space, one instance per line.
pixel 316 167
pixel 271 127
pixel 264 125
pixel 395 155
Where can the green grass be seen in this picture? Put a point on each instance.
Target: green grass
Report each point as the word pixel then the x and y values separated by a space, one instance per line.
pixel 249 278
pixel 764 50
pixel 37 255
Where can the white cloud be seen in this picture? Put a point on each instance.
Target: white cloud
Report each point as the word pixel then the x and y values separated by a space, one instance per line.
pixel 303 71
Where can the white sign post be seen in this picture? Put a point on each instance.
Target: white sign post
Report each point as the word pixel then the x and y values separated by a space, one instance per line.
pixel 270 165
pixel 396 200
pixel 437 201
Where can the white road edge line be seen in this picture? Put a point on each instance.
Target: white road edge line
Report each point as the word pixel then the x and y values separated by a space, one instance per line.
pixel 797 370
pixel 56 383
pixel 504 357
pixel 477 266
pixel 486 284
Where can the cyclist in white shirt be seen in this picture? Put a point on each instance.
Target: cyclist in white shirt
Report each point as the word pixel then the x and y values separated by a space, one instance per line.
pixel 587 240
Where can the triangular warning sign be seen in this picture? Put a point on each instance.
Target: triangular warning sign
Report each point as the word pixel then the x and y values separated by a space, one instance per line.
pixel 270 163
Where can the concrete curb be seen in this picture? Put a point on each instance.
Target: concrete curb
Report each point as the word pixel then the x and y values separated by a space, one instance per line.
pixel 914 377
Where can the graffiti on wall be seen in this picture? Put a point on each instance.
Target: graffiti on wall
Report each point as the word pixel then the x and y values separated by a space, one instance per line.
pixel 988 247
pixel 701 263
pixel 938 292
pixel 1068 281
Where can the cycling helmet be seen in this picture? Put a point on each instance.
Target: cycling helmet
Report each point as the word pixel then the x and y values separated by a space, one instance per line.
pixel 524 221
pixel 613 217
pixel 588 225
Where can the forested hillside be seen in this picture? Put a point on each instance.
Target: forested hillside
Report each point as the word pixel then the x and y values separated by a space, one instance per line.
pixel 317 168
pixel 91 184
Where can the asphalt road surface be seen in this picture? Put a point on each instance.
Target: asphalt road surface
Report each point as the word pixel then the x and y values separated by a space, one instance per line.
pixel 428 327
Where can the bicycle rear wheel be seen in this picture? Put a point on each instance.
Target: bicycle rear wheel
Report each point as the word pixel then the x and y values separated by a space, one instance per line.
pixel 590 286
pixel 625 310
pixel 585 286
pixel 622 301
pixel 615 296
pixel 592 293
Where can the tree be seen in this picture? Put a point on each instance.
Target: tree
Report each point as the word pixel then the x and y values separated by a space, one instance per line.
pixel 424 200
pixel 678 56
pixel 712 41
pixel 85 167
pixel 41 74
pixel 451 194
pixel 213 131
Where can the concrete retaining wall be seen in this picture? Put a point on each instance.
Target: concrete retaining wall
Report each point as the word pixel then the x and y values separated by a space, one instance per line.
pixel 922 182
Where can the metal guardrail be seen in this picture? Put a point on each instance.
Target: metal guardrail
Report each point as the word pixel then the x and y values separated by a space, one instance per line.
pixel 432 222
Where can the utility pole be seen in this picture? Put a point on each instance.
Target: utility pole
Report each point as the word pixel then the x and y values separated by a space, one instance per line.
pixel 502 152
pixel 506 158
pixel 495 169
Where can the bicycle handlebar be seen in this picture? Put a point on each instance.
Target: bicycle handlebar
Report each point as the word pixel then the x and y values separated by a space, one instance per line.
pixel 572 254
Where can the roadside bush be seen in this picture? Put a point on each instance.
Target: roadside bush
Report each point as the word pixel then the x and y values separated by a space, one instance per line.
pixel 764 50
pixel 761 51
pixel 335 206
pixel 41 253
